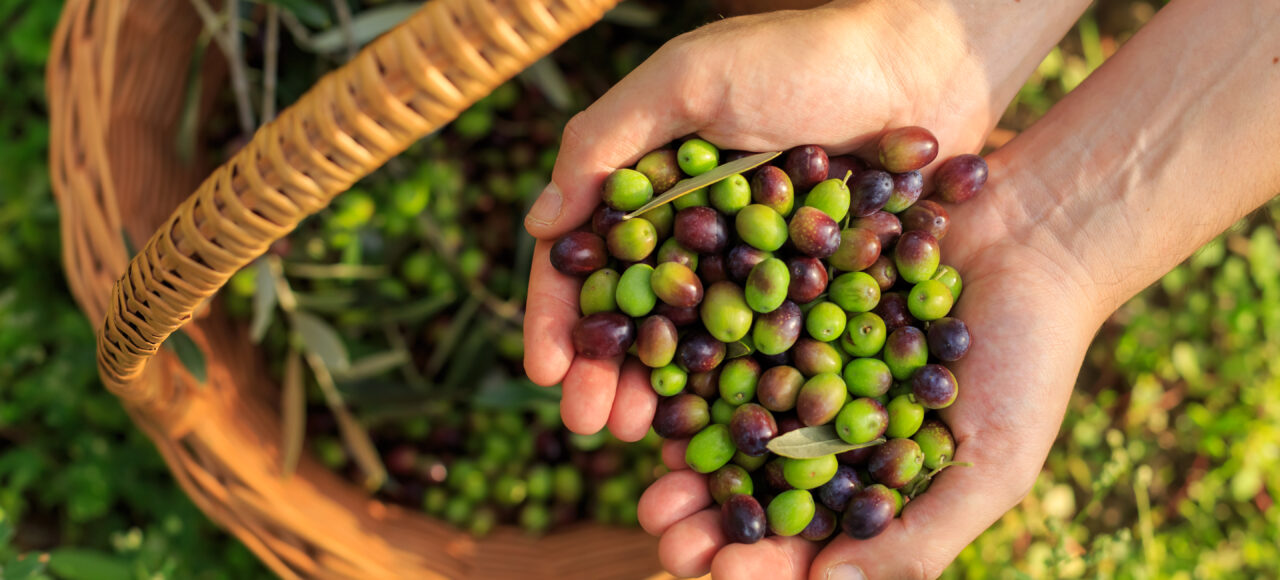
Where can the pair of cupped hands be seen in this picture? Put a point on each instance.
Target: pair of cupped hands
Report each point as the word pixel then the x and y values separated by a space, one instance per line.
pixel 836 76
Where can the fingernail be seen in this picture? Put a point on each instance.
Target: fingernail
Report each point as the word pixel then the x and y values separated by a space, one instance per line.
pixel 546 210
pixel 845 571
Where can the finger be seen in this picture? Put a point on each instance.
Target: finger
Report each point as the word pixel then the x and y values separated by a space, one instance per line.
pixel 673 453
pixel 785 558
pixel 687 548
pixel 634 404
pixel 550 313
pixel 589 390
pixel 674 497
pixel 934 527
pixel 627 122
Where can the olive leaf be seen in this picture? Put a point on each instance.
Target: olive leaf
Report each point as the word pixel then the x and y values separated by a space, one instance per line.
pixel 264 301
pixel 693 184
pixel 189 354
pixel 812 442
pixel 322 340
pixel 373 365
pixel 293 405
pixel 740 348
pixel 365 27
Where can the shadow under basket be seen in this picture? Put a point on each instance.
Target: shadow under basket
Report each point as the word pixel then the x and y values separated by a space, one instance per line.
pixel 116 82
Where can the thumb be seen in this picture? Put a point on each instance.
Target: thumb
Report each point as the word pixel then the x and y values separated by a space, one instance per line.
pixel 644 111
pixel 933 528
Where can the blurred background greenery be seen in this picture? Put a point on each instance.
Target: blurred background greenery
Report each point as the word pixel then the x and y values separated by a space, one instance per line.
pixel 1167 465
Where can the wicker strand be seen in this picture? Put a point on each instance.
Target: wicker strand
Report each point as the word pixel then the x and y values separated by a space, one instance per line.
pixel 405 84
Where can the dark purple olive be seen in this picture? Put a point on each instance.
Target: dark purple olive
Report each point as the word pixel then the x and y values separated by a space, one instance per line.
pixel 806 166
pixel 751 428
pixel 948 339
pixel 858 250
pixel 776 332
pixel 579 253
pixel 917 256
pixel 603 335
pixel 788 422
pixel 729 481
pixel 778 388
pixel 837 492
pixel 907 188
pixel 808 279
pixel 768 361
pixel 711 269
pixel 743 520
pixel 678 316
pixel 656 340
pixel 681 416
pixel 884 272
pixel 604 219
pixel 927 216
pixel 894 311
pixel 742 258
pixel 701 229
pixel 907 149
pixel 821 526
pixel 869 191
pixel 774 477
pixel 960 178
pixel 705 385
pixel 770 186
pixel 896 462
pixel 855 456
pixel 700 352
pixel 934 386
pixel 869 512
pixel 814 232
pixel 885 225
pixel 840 166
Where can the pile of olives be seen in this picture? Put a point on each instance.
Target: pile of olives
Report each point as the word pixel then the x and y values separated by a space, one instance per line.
pixel 795 318
pixel 478 468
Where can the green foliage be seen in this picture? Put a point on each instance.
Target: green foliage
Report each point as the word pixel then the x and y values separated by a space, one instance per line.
pixel 1167 462
pixel 74 472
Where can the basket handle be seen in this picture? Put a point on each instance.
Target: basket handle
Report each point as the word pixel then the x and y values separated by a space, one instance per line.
pixel 409 82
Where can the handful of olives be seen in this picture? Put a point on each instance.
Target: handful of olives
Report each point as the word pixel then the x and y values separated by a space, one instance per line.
pixel 795 318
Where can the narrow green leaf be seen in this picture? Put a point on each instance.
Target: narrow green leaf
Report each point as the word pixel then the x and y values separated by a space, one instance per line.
pixel 365 27
pixel 264 301
pixel 499 393
pixel 327 300
pixel 309 12
pixel 633 15
pixel 322 340
pixel 189 118
pixel 811 442
pixel 189 354
pixel 293 412
pixel 353 433
pixel 82 564
pixel 740 349
pixel 693 184
pixel 545 74
pixel 372 365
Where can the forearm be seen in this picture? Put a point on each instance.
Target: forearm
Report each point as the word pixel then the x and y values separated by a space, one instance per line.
pixel 1164 147
pixel 985 48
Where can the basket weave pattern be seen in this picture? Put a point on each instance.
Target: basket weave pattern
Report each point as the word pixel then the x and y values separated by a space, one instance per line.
pixel 116 86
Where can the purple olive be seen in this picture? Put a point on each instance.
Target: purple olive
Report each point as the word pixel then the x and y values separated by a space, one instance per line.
pixel 603 335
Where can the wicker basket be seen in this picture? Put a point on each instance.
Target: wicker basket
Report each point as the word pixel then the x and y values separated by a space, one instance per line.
pixel 115 81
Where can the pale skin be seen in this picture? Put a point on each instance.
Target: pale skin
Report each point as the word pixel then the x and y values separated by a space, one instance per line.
pixel 1170 142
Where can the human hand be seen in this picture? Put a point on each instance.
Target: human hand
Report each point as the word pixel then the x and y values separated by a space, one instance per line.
pixel 1030 325
pixel 734 83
